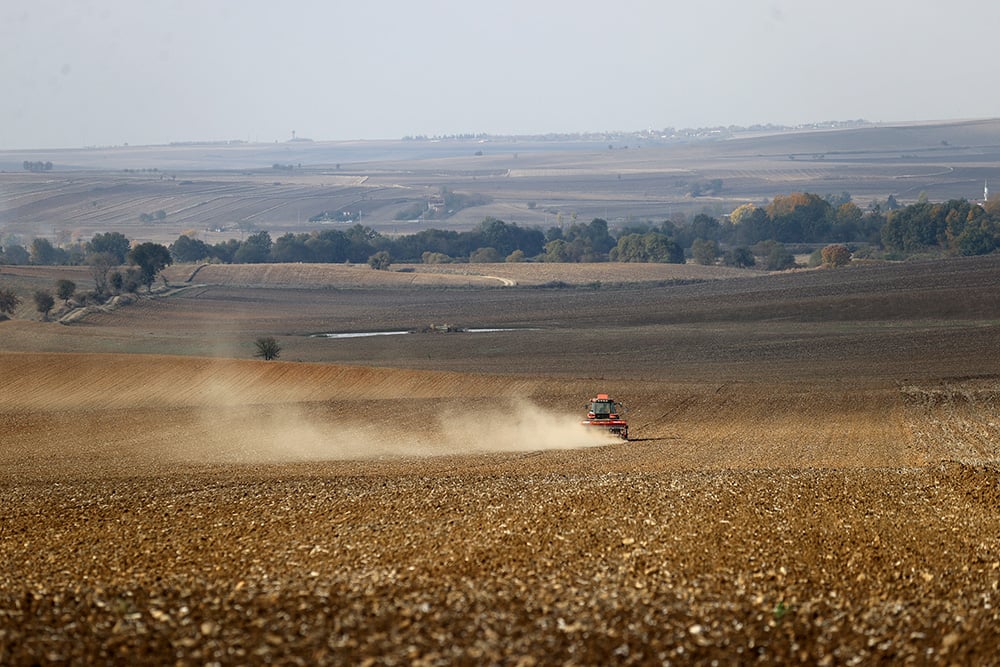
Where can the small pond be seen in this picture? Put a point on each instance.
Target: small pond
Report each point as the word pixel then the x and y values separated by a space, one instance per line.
pixel 365 334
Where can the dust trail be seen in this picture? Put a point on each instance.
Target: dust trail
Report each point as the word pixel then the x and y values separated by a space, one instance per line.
pixel 288 433
pixel 519 426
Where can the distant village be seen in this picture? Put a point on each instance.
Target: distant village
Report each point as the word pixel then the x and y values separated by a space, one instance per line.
pixel 666 134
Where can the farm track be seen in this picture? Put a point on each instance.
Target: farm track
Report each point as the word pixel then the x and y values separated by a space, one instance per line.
pixel 814 476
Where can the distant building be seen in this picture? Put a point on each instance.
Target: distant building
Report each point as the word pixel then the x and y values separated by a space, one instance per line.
pixel 436 203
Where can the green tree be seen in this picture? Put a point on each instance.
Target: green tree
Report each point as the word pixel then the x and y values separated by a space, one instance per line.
pixel 847 222
pixel 226 250
pixel 267 348
pixel 704 227
pixel 255 250
pixel 150 258
pixel 429 257
pixel 740 258
pixel 44 303
pixel 704 251
pixel 114 243
pixel 43 252
pixel 648 247
pixel 65 289
pixel 980 236
pixel 37 166
pixel 131 280
pixel 800 217
pixel 776 256
pixel 484 256
pixel 9 301
pixel 497 235
pixel 555 251
pixel 116 281
pixel 600 238
pixel 504 237
pixel 187 249
pixel 14 254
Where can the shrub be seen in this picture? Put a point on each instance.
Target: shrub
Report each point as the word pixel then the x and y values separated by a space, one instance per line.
pixel 9 301
pixel 484 256
pixel 65 289
pixel 776 255
pixel 835 255
pixel 267 348
pixel 44 302
pixel 740 258
pixel 380 261
pixel 429 257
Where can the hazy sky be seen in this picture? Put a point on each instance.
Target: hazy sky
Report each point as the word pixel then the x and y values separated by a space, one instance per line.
pixel 107 72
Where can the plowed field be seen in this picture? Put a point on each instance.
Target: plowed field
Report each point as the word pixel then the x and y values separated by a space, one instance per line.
pixel 813 476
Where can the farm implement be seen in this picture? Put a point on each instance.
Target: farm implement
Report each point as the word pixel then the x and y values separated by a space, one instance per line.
pixel 604 412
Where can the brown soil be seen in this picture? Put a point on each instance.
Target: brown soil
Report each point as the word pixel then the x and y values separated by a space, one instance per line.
pixel 813 476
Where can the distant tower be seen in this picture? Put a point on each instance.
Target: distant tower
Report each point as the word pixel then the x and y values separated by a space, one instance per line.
pixel 986 191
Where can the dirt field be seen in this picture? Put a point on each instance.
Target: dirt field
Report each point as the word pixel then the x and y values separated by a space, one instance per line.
pixel 813 476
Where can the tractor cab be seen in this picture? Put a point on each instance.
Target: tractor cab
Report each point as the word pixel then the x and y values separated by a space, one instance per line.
pixel 602 407
pixel 602 410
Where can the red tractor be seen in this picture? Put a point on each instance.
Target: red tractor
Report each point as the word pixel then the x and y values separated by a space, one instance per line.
pixel 605 412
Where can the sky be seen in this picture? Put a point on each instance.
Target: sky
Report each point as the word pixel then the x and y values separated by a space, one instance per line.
pixel 79 73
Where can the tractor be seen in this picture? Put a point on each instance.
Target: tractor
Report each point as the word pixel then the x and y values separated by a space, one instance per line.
pixel 605 412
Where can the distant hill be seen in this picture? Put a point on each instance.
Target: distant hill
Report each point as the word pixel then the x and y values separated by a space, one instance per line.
pixel 224 189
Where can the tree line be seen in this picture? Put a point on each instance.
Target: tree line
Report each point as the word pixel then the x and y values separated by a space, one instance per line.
pixel 748 235
pixel 117 266
pixel 30 165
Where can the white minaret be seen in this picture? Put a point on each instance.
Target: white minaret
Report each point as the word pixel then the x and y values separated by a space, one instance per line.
pixel 986 191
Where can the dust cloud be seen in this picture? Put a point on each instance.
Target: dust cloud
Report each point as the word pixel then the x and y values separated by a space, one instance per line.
pixel 519 427
pixel 291 433
pixel 121 415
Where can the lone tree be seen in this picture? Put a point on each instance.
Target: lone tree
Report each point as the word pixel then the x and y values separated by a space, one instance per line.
pixel 44 303
pixel 835 255
pixel 380 261
pixel 267 348
pixel 65 289
pixel 101 264
pixel 151 258
pixel 9 301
